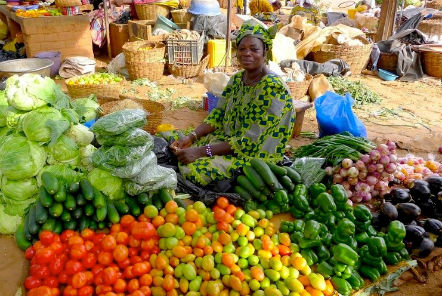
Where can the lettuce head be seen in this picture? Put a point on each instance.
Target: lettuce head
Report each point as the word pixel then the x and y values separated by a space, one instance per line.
pixel 29 91
pixel 20 190
pixel 86 108
pixel 80 134
pixel 8 223
pixel 64 151
pixel 108 184
pixel 35 123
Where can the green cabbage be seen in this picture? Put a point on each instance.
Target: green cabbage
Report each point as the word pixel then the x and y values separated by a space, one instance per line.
pixel 132 137
pixel 3 110
pixel 80 134
pixel 29 91
pixel 17 207
pixel 21 158
pixel 19 189
pixel 34 123
pixel 63 173
pixel 8 223
pixel 86 108
pixel 3 99
pixel 110 185
pixel 13 117
pixel 4 132
pixel 118 122
pixel 119 155
pixel 64 151
pixel 86 153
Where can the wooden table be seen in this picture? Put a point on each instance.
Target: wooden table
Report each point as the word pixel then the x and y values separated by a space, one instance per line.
pixel 69 35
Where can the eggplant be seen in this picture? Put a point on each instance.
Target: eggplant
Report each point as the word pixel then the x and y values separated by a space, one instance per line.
pixel 420 190
pixel 415 235
pixel 389 211
pixel 378 221
pixel 433 226
pixel 428 208
pixel 439 241
pixel 425 247
pixel 400 196
pixel 435 183
pixel 408 212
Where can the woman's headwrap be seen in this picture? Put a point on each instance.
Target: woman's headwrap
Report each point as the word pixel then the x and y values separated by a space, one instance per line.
pixel 256 31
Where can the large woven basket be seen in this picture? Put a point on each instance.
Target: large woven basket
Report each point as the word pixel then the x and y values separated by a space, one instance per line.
pixel 100 90
pixel 435 4
pixel 151 11
pixel 357 57
pixel 188 71
pixel 180 16
pixel 298 89
pixel 387 61
pixel 432 28
pixel 134 52
pixel 152 71
pixel 67 3
pixel 433 63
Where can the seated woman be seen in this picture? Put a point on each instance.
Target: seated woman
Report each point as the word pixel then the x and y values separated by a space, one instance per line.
pixel 253 119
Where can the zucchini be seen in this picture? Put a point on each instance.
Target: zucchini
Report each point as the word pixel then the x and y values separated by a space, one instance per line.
pixel 112 213
pixel 93 225
pixel 99 199
pixel 49 225
pixel 247 185
pixel 254 177
pixel 242 192
pixel 87 189
pixel 28 235
pixel 101 225
pixel 294 175
pixel 287 183
pixel 58 228
pixel 71 225
pixel 60 196
pixel 262 197
pixel 121 207
pixel 70 203
pixel 20 237
pixel 74 187
pixel 180 203
pixel 144 199
pixel 89 210
pixel 83 223
pixel 165 196
pixel 56 210
pixel 277 170
pixel 101 214
pixel 45 198
pixel 77 213
pixel 156 201
pixel 66 216
pixel 41 214
pixel 32 222
pixel 81 201
pixel 265 172
pixel 50 182
pixel 134 208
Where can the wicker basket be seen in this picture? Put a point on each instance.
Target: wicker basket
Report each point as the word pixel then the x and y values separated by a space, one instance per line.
pixel 180 16
pixel 155 109
pixel 435 4
pixel 357 57
pixel 133 51
pixel 100 90
pixel 433 63
pixel 387 61
pixel 67 3
pixel 298 89
pixel 152 71
pixel 188 71
pixel 432 28
pixel 151 11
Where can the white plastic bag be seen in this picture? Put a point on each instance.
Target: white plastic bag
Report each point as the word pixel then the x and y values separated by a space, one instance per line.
pixel 216 82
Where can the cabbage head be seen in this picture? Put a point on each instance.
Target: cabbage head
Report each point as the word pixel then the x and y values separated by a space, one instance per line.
pixel 22 189
pixel 64 151
pixel 21 158
pixel 63 172
pixel 8 223
pixel 34 123
pixel 80 134
pixel 3 99
pixel 110 185
pixel 86 108
pixel 86 153
pixel 17 207
pixel 13 117
pixel 3 110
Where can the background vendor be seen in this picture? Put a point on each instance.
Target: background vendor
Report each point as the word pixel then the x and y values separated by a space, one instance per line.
pixel 262 6
pixel 254 117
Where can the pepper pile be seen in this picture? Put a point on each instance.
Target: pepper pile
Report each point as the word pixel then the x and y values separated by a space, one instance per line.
pixel 331 223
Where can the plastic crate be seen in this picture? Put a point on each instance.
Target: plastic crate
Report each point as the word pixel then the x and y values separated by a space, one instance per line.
pixel 185 52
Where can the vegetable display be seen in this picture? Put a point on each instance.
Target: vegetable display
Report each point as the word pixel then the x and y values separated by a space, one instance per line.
pixel 95 78
pixel 360 93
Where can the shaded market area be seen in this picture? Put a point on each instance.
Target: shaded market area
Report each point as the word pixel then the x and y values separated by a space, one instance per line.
pixel 220 147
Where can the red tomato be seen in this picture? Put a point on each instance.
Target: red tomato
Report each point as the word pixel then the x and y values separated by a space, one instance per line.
pixel 105 258
pixel 109 276
pixel 97 269
pixel 34 269
pixel 63 277
pixel 29 253
pixel 73 266
pixel 55 291
pixel 78 251
pixel 57 247
pixel 69 291
pixel 76 239
pixel 56 266
pixel 102 289
pixel 87 234
pixel 79 280
pixel 146 290
pixel 126 221
pixel 89 260
pixel 133 285
pixel 43 291
pixel 124 263
pixel 135 259
pixel 143 230
pixel 89 245
pixel 44 256
pixel 86 291
pixel 122 238
pixel 128 274
pixel 42 272
pixel 145 255
pixel 46 237
pixel 133 251
pixel 120 253
pixel 108 243
pixel 51 282
pixel 120 286
pixel 64 237
pixel 140 269
pixel 32 282
pixel 98 238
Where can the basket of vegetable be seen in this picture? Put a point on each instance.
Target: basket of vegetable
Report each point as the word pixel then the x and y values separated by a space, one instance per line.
pixel 143 51
pixel 298 89
pixel 188 71
pixel 151 11
pixel 101 84
pixel 152 71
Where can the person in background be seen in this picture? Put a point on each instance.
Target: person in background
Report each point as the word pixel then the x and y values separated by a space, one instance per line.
pixel 262 6
pixel 127 2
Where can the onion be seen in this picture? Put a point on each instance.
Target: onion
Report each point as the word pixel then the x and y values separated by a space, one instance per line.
pixel 346 185
pixel 362 175
pixel 356 198
pixel 329 171
pixel 365 158
pixel 391 168
pixel 344 172
pixel 400 176
pixel 358 186
pixel 350 202
pixel 374 193
pixel 383 149
pixel 353 172
pixel 384 175
pixel 379 168
pixel 360 165
pixel 384 160
pixel 393 158
pixel 372 180
pixel 352 180
pixel 366 196
pixel 347 163
pixel 371 168
pixel 349 193
pixel 375 155
pixel 365 187
pixel 391 145
pixel 337 179
pixel 390 178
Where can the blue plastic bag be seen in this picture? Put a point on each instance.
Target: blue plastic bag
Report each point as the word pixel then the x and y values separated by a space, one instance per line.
pixel 334 115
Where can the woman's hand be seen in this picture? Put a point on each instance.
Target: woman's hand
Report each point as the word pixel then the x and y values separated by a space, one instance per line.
pixel 181 143
pixel 189 155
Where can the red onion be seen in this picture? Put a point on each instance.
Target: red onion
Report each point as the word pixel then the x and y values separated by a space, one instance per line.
pixel 391 168
pixel 349 193
pixel 366 196
pixel 344 172
pixel 365 187
pixel 391 145
pixel 346 185
pixel 362 175
pixel 349 202
pixel 372 180
pixel 393 158
pixel 360 165
pixel 365 158
pixel 353 172
pixel 390 178
pixel 375 193
pixel 358 186
pixel 337 179
pixel 352 180
pixel 384 160
pixel 371 168
pixel 375 155
pixel 379 168
pixel 383 149
pixel 356 198
pixel 376 175
pixel 347 163
pixel 329 171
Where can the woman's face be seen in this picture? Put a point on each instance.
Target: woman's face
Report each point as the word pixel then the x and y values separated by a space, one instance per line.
pixel 251 53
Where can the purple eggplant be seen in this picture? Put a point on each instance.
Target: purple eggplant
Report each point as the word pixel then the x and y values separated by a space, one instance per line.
pixel 425 247
pixel 420 190
pixel 408 212
pixel 433 226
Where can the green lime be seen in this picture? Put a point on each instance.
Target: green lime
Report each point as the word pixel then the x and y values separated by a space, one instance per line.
pixel 150 211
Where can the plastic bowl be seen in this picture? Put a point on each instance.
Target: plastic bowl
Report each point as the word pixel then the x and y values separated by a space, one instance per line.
pixel 205 7
pixel 387 76
pixel 22 66
pixel 165 24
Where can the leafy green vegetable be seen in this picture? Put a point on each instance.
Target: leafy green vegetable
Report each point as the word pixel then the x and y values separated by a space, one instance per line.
pixel 57 127
pixel 70 115
pixel 118 122
pixel 3 99
pixel 29 91
pixel 110 185
pixel 119 155
pixel 19 189
pixel 360 93
pixel 34 123
pixel 64 151
pixel 63 173
pixel 86 108
pixel 3 110
pixel 13 116
pixel 132 137
pixel 16 207
pixel 8 224
pixel 21 158
pixel 80 134
pixel 86 153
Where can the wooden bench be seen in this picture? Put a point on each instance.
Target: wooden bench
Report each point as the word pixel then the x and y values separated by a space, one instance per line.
pixel 300 107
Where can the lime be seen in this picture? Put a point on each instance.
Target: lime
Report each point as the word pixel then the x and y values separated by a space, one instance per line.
pixel 242 241
pixel 171 242
pixel 200 207
pixel 254 285
pixel 150 211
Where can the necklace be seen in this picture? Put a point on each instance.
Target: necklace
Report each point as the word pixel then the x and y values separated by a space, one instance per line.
pixel 249 82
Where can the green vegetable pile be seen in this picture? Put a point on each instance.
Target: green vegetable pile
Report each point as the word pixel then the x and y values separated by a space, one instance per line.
pixel 361 94
pixel 340 239
pixel 335 148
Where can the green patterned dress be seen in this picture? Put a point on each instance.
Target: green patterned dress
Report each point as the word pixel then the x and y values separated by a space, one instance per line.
pixel 257 121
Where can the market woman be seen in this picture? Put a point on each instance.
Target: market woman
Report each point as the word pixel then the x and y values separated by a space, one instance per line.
pixel 254 117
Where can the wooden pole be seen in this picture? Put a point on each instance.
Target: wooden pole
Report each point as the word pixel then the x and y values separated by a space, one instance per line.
pixel 106 24
pixel 228 43
pixel 387 19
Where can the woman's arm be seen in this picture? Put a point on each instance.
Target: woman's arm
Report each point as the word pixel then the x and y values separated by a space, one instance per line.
pixel 187 141
pixel 189 155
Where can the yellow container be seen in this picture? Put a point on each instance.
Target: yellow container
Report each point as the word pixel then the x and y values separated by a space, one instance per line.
pixel 217 52
pixel 352 13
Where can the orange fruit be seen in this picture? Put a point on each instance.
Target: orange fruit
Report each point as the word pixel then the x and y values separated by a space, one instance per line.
pixel 171 207
pixel 222 202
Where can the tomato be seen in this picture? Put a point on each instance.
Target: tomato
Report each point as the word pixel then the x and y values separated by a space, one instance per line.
pixel 76 239
pixel 105 258
pixel 133 285
pixel 78 251
pixel 43 291
pixel 137 292
pixel 64 237
pixel 145 255
pixel 89 260
pixel 79 280
pixel 57 247
pixel 34 269
pixel 89 277
pixel 124 263
pixel 122 238
pixel 126 221
pixel 135 259
pixel 98 238
pixel 85 291
pixel 133 242
pixel 46 237
pixel 51 282
pixel 42 272
pixel 108 243
pixel 32 282
pixel 120 253
pixel 44 256
pixel 69 291
pixel 56 266
pixel 29 253
pixel 128 272
pixel 146 290
pixel 73 266
pixel 97 269
pixel 89 245
pixel 87 234
pixel 63 277
pixel 109 276
pixel 115 228
pixel 143 230
pixel 102 289
pixel 140 268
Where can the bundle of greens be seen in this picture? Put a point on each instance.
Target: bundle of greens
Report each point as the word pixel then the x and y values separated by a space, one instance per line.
pixel 361 94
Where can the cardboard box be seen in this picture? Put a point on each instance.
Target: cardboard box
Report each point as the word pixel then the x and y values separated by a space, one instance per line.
pixel 142 30
pixel 119 34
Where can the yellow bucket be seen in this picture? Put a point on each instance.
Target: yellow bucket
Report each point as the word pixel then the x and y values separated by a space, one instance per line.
pixel 217 52
pixel 352 13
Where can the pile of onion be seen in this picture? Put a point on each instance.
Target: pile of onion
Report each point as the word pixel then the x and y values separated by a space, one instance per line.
pixel 411 168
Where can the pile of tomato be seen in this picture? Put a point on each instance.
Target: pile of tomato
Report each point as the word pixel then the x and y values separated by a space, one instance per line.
pixel 81 264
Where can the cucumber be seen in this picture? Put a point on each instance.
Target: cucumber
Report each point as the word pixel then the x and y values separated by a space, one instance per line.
pixel 77 213
pixel 71 225
pixel 265 172
pixel 99 199
pixel 262 197
pixel 70 203
pixel 134 208
pixel 41 214
pixel 143 199
pixel 101 214
pixel 83 223
pixel 254 177
pixel 60 195
pixel 89 210
pixel 49 225
pixel 287 183
pixel 93 225
pixel 28 235
pixel 32 222
pixel 56 210
pixel 121 207
pixel 277 170
pixel 247 185
pixel 50 182
pixel 101 225
pixel 66 216
pixel 165 196
pixel 81 201
pixel 112 213
pixel 156 201
pixel 58 228
pixel 74 187
pixel 45 198
pixel 180 203
pixel 87 189
pixel 242 192
pixel 294 175
pixel 20 237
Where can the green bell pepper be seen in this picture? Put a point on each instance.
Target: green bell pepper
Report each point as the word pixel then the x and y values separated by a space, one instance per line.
pixel 355 280
pixel 300 202
pixel 350 216
pixel 309 256
pixel 345 254
pixel 362 238
pixel 367 258
pixel 396 231
pixel 339 194
pixel 250 205
pixel 311 229
pixel 404 254
pixel 339 215
pixel 325 202
pixel 362 213
pixel 339 267
pixel 371 231
pixel 273 206
pixel 341 285
pixel 301 189
pixel 281 197
pixel 325 269
pixel 362 226
pixel 347 272
pixel 285 208
pixel 299 225
pixel 287 226
pixel 327 239
pixel 326 218
pixel 370 272
pixel 377 247
pixel 394 246
pixel 393 258
pixel 296 236
pixel 316 189
pixel 309 215
pixel 297 213
pixel 322 252
pixel 306 243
